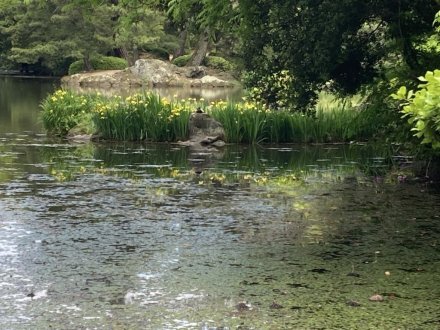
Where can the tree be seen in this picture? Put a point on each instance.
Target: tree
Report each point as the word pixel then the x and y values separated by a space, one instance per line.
pixel 91 25
pixel 6 19
pixel 138 24
pixel 344 44
pixel 49 33
pixel 207 19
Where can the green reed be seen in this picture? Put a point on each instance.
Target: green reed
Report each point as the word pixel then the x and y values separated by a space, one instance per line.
pixel 148 116
pixel 64 110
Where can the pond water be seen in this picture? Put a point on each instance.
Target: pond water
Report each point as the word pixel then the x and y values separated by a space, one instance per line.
pixel 157 236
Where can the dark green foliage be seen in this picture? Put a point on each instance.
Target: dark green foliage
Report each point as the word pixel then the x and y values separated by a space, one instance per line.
pixel 158 52
pixel 48 32
pixel 343 42
pixel 162 48
pixel 422 108
pixel 219 63
pixel 181 60
pixel 76 67
pixel 99 63
pixel 214 62
pixel 47 35
pixel 169 46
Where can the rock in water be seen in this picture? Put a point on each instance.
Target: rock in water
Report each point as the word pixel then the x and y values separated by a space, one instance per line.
pixel 376 297
pixel 204 130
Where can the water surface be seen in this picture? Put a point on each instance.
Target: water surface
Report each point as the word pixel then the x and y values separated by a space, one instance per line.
pixel 157 236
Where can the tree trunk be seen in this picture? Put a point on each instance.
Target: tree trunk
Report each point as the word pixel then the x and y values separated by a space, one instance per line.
pixel 87 63
pixel 135 54
pixel 201 50
pixel 183 36
pixel 126 55
pixel 130 56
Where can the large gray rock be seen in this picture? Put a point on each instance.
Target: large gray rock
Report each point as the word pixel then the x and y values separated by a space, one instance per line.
pixel 156 73
pixel 102 79
pixel 206 138
pixel 201 126
pixel 150 73
pixel 204 131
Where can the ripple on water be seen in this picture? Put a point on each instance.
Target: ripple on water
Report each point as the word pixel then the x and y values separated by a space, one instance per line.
pixel 103 250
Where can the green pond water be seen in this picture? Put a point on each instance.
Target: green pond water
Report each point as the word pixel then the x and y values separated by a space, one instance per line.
pixel 158 236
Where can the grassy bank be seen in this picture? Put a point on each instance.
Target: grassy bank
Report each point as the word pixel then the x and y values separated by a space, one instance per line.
pixel 153 118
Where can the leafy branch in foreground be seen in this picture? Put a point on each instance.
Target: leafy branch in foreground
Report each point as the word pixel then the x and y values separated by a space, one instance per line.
pixel 422 108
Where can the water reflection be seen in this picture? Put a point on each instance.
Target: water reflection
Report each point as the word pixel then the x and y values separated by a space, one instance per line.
pixel 178 93
pixel 130 236
pixel 19 102
pixel 157 236
pixel 20 98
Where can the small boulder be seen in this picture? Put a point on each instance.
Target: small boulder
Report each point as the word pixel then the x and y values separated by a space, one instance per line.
pixel 211 81
pixel 202 127
pixel 195 72
pixel 376 298
pixel 204 131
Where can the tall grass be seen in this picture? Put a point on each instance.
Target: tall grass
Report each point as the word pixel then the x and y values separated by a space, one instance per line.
pixel 149 117
pixel 64 110
pixel 138 117
pixel 253 123
pixel 142 117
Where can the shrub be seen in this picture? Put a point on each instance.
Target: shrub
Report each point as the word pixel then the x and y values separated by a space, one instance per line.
pixel 76 67
pixel 422 108
pixel 158 52
pixel 219 63
pixel 273 89
pixel 99 63
pixel 170 46
pixel 181 60
pixel 109 63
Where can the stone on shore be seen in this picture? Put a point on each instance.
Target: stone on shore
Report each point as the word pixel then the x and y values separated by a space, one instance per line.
pixel 152 73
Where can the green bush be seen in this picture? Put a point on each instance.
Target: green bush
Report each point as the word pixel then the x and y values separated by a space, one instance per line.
pixel 214 62
pixel 158 52
pixel 99 63
pixel 273 89
pixel 181 60
pixel 76 67
pixel 422 108
pixel 170 46
pixel 219 63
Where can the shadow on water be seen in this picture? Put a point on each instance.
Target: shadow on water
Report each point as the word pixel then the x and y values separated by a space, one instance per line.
pixel 275 237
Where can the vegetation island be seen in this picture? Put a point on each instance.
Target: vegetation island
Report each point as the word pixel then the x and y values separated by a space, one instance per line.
pixel 317 72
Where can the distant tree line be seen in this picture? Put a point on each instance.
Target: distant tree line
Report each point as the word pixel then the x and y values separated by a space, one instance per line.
pixel 48 35
pixel 288 50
